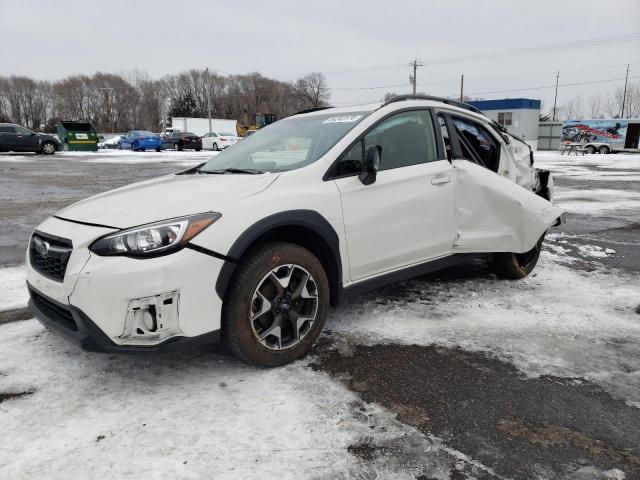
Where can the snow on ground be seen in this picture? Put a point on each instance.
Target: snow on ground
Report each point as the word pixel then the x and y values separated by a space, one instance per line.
pixel 206 414
pixel 13 290
pixel 198 415
pixel 559 321
pixel 122 156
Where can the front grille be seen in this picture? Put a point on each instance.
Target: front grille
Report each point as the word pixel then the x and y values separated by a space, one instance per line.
pixel 49 255
pixel 54 312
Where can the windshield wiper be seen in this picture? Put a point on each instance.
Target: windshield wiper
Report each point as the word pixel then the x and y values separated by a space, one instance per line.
pixel 250 171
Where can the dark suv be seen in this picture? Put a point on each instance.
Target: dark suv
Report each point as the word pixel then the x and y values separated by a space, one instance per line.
pixel 14 138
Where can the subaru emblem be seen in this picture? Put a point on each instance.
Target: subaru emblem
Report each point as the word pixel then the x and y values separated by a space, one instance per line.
pixel 42 246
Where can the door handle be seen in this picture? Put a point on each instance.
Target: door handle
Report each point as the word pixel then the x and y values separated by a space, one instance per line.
pixel 440 180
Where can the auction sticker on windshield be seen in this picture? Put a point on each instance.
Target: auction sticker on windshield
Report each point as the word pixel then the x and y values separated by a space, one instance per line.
pixel 343 119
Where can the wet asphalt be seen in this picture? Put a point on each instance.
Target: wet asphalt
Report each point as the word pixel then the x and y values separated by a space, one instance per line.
pixel 545 427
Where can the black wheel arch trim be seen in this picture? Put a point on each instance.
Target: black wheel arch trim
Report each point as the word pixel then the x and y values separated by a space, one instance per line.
pixel 308 219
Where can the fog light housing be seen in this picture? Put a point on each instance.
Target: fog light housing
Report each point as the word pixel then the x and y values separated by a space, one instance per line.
pixel 152 319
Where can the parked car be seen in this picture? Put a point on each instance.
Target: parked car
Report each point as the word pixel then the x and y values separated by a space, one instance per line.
pixel 254 245
pixel 111 143
pixel 139 141
pixel 218 141
pixel 15 138
pixel 177 140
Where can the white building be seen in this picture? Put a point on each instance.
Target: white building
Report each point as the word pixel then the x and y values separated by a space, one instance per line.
pixel 519 116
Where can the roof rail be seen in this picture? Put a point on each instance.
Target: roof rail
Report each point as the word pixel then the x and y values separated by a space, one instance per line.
pixel 314 109
pixel 448 101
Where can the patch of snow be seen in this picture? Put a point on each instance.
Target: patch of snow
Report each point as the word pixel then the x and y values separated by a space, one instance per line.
pixel 13 290
pixel 185 416
pixel 595 251
pixel 558 321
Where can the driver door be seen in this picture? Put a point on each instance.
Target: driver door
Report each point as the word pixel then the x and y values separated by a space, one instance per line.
pixel 26 140
pixel 406 216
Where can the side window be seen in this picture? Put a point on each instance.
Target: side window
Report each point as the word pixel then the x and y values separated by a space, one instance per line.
pixel 445 135
pixel 406 139
pixel 7 129
pixel 351 161
pixel 22 131
pixel 477 143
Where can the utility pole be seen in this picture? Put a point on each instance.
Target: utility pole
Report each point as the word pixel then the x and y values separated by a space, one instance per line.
pixel 624 95
pixel 208 97
pixel 555 99
pixel 412 78
pixel 462 88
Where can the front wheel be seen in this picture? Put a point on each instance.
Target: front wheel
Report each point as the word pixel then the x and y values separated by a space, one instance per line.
pixel 158 149
pixel 604 150
pixel 48 148
pixel 514 266
pixel 590 149
pixel 215 147
pixel 177 147
pixel 276 306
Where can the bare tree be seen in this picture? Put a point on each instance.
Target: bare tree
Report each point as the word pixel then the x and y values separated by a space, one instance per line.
pixel 595 106
pixel 313 89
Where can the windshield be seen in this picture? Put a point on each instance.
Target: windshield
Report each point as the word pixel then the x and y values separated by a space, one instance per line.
pixel 227 135
pixel 291 143
pixel 139 133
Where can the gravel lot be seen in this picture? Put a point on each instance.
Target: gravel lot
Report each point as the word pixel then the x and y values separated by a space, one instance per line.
pixel 452 375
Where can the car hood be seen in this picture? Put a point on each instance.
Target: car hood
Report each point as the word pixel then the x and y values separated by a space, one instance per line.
pixel 165 197
pixel 47 136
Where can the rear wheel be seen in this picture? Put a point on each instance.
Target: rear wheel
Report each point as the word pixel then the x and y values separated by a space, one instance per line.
pixel 604 150
pixel 590 149
pixel 215 147
pixel 276 306
pixel 158 149
pixel 516 265
pixel 177 147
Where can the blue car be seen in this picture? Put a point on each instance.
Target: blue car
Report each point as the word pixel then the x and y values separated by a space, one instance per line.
pixel 138 140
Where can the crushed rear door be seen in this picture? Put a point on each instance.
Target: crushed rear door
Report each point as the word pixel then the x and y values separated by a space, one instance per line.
pixel 495 214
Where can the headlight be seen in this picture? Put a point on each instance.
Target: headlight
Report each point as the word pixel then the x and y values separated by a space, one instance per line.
pixel 154 239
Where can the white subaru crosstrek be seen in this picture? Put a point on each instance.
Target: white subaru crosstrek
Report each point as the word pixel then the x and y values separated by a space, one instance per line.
pixel 254 245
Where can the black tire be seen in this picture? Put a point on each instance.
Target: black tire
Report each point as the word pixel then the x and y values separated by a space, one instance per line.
pixel 215 147
pixel 48 148
pixel 237 330
pixel 158 149
pixel 604 150
pixel 177 147
pixel 590 149
pixel 514 266
pixel 198 149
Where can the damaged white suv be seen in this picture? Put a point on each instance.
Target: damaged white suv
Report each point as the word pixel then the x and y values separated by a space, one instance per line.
pixel 255 244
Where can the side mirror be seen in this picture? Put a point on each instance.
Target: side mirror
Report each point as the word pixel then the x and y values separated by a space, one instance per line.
pixel 506 138
pixel 371 165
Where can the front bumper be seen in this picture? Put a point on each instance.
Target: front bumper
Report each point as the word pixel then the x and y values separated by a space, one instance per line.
pixel 99 297
pixel 74 325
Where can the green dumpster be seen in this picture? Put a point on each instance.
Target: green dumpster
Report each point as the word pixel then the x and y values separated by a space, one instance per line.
pixel 78 136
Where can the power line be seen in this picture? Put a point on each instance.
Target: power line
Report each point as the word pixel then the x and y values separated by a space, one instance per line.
pixel 585 43
pixel 477 79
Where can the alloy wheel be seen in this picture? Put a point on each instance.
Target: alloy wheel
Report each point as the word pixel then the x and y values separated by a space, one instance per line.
pixel 284 307
pixel 48 148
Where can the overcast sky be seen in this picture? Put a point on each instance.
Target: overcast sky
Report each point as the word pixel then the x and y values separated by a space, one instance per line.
pixel 356 44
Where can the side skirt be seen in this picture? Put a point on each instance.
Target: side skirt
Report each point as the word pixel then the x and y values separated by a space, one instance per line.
pixel 410 272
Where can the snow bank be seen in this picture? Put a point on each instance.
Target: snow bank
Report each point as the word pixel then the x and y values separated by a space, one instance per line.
pixel 13 290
